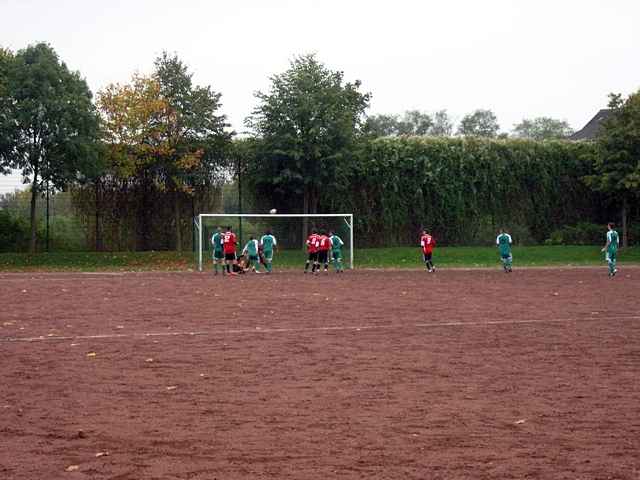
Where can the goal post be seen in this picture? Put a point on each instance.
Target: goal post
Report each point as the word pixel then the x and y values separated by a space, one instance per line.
pixel 286 227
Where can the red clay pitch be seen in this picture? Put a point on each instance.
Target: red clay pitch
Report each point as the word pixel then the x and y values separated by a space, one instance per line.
pixel 370 374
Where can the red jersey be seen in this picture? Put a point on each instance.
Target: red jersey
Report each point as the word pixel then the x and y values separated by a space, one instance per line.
pixel 229 242
pixel 427 242
pixel 323 243
pixel 313 242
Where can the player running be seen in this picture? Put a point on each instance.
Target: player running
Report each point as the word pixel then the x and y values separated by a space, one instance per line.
pixel 312 250
pixel 251 251
pixel 427 243
pixel 324 244
pixel 336 251
pixel 611 249
pixel 229 242
pixel 218 252
pixel 268 244
pixel 503 241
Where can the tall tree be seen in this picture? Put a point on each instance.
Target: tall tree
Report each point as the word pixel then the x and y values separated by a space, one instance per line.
pixel 542 128
pixel 195 132
pixel 415 122
pixel 481 123
pixel 164 131
pixel 52 124
pixel 617 159
pixel 412 122
pixel 442 124
pixel 134 134
pixel 381 125
pixel 308 120
pixel 6 59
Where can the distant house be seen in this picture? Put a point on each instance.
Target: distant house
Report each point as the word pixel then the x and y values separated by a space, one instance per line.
pixel 592 128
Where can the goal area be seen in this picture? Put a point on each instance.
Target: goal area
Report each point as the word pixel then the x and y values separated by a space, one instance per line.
pixel 290 229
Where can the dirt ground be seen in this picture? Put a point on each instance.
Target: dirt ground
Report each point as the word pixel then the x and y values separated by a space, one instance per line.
pixel 369 374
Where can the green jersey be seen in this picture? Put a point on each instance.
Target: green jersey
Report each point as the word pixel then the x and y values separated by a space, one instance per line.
pixel 336 243
pixel 268 242
pixel 216 241
pixel 504 244
pixel 612 240
pixel 251 248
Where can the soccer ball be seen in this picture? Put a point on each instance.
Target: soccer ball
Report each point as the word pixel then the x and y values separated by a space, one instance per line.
pixel 273 211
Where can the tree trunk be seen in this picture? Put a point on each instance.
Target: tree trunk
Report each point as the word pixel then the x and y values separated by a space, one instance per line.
pixel 625 236
pixel 305 220
pixel 99 242
pixel 178 220
pixel 144 226
pixel 34 196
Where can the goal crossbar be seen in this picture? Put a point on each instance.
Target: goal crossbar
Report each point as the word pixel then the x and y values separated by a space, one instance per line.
pixel 348 219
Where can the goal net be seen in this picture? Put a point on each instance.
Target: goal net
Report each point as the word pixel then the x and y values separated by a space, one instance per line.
pixel 290 230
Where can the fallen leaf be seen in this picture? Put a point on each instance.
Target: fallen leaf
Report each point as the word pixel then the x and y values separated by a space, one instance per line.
pixel 91 354
pixel 148 360
pixel 72 468
pixel 172 387
pixel 520 422
pixel 102 454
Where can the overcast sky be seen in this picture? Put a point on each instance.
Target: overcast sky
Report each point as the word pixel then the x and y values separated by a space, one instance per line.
pixel 523 58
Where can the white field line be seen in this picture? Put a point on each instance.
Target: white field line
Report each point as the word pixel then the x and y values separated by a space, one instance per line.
pixel 64 275
pixel 261 330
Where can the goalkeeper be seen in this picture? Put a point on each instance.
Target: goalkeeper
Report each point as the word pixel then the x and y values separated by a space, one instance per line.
pixel 336 251
pixel 218 252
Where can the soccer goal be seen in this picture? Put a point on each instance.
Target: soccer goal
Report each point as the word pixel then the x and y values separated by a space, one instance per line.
pixel 290 230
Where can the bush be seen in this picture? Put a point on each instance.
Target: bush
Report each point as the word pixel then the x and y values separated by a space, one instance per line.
pixel 583 233
pixel 14 233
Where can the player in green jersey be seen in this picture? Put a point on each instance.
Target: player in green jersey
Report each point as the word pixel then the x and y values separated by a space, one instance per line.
pixel 250 250
pixel 504 246
pixel 611 249
pixel 218 252
pixel 268 244
pixel 336 251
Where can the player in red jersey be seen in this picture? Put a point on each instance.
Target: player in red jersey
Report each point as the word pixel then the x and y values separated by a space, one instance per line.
pixel 229 242
pixel 427 243
pixel 312 250
pixel 324 244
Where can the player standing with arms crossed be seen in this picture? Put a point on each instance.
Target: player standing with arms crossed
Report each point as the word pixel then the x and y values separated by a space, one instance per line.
pixel 503 241
pixel 269 245
pixel 218 252
pixel 324 244
pixel 229 242
pixel 611 247
pixel 427 243
pixel 336 251
pixel 312 250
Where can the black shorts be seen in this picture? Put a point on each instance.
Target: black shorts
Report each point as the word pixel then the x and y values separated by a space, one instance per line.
pixel 323 256
pixel 313 256
pixel 427 256
pixel 229 256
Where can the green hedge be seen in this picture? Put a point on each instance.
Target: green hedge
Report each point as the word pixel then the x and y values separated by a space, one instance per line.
pixel 463 189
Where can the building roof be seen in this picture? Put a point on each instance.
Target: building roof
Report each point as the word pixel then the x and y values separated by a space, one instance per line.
pixel 592 128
